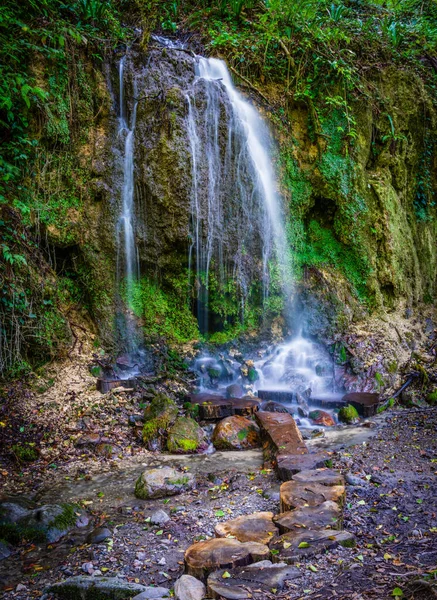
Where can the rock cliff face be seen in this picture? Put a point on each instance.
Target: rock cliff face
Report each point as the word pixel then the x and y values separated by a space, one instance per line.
pixel 361 216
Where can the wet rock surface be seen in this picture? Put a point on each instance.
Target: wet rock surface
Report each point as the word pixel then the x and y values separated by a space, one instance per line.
pixel 236 433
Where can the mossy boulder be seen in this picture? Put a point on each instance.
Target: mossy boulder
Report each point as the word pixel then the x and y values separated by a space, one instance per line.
pixel 321 417
pixel 159 416
pixel 185 435
pixel 236 433
pixel 159 483
pixel 348 414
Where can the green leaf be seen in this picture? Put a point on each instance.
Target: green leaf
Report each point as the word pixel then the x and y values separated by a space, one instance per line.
pixel 160 532
pixel 226 575
pixel 219 513
pixel 304 545
pixel 397 592
pixel 313 568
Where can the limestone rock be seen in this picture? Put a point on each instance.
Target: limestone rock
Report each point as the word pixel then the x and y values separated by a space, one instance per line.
pixel 259 576
pixel 257 527
pixel 159 483
pixel 236 433
pixel 189 588
pixel 223 553
pixel 295 494
pixel 91 588
pixel 185 435
pixel 311 542
pixel 327 515
pixel 322 476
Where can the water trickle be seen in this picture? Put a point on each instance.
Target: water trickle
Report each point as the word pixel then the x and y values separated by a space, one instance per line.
pixel 235 208
pixel 128 264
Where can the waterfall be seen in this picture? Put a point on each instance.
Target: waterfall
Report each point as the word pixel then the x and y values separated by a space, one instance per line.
pixel 128 265
pixel 234 192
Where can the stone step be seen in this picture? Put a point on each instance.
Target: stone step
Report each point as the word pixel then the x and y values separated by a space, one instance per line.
pixel 294 546
pixel 243 582
pixel 327 515
pixel 323 476
pixel 280 434
pixel 214 408
pixel 257 527
pixel 294 494
pixel 289 464
pixel 203 558
pixel 365 403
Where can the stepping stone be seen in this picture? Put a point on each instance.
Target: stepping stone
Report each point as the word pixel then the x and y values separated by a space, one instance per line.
pixel 289 464
pixel 257 527
pixel 327 515
pixel 222 553
pixel 294 494
pixel 246 406
pixel 365 403
pixel 243 581
pixel 280 432
pixel 91 588
pixel 323 476
pixel 311 542
pixel 212 407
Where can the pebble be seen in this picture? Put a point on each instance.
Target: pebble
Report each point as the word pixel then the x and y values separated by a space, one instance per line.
pixel 98 535
pixel 159 517
pixel 352 480
pixel 152 592
pixel 88 568
pixel 162 561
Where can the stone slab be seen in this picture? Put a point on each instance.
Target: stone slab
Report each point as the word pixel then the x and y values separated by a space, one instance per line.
pixel 222 553
pixel 212 407
pixel 323 476
pixel 243 581
pixel 365 403
pixel 311 542
pixel 327 515
pixel 280 433
pixel 289 464
pixel 257 527
pixel 245 406
pixel 294 494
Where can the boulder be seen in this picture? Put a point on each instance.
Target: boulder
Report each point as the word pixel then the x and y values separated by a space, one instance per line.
pixel 257 527
pixel 189 588
pixel 321 417
pixel 159 483
pixel 348 414
pixel 185 435
pixel 95 588
pixel 236 433
pixel 158 417
pixel 365 403
pixel 280 433
pixel 204 557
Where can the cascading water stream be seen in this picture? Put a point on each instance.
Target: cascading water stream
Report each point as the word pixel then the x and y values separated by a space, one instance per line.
pixel 128 266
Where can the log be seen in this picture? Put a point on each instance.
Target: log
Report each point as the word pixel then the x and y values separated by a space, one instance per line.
pixel 327 515
pixel 203 558
pixel 295 495
pixel 212 408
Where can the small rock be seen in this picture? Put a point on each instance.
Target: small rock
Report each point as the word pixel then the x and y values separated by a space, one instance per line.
pixel 321 417
pixel 162 561
pixel 159 517
pixel 88 568
pixel 189 588
pixel 353 480
pixel 153 592
pixel 20 588
pixel 158 483
pixel 98 535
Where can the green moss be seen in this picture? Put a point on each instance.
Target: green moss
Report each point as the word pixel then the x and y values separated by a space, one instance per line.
pixel 15 533
pixel 25 452
pixel 351 543
pixel 432 398
pixel 67 518
pixel 386 405
pixel 348 414
pixel 252 375
pixel 184 436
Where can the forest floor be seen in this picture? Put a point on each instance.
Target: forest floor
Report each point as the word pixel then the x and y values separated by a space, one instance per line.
pixel 90 454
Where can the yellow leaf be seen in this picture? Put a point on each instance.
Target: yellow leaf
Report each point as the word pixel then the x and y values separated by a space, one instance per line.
pixel 226 575
pixel 286 545
pixel 387 556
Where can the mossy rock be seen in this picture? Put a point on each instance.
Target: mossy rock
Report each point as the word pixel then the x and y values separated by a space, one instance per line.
pixel 252 375
pixel 348 414
pixel 158 417
pixel 184 436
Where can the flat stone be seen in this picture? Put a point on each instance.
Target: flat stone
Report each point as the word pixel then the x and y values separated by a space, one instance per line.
pixel 151 593
pixel 159 517
pixel 294 494
pixel 327 515
pixel 243 581
pixel 91 588
pixel 245 406
pixel 257 527
pixel 280 433
pixel 312 542
pixel 222 553
pixel 159 483
pixel 189 588
pixel 365 403
pixel 212 407
pixel 98 535
pixel 236 433
pixel 323 476
pixel 289 464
